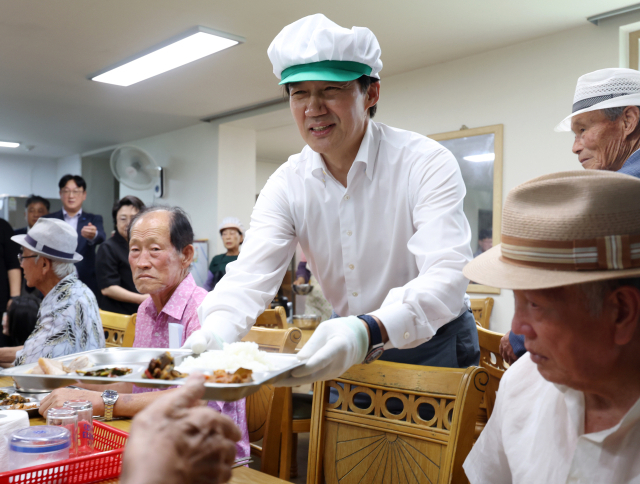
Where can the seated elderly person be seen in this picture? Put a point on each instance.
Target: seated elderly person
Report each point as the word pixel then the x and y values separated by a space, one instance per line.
pixel 160 253
pixel 68 321
pixel 569 409
pixel 606 124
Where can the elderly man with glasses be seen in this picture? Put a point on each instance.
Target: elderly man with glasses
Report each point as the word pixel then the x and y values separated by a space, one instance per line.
pixel 569 409
pixel 68 321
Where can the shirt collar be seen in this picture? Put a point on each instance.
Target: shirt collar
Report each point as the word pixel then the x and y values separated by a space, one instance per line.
pixel 632 165
pixel 180 298
pixel 76 215
pixel 367 155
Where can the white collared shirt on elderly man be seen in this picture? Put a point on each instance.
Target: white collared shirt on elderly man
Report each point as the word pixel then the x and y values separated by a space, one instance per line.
pixel 392 243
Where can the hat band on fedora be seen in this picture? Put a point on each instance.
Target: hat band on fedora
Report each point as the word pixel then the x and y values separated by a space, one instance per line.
pixel 48 250
pixel 587 103
pixel 613 252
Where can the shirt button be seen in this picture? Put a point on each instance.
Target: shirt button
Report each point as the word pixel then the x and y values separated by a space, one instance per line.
pixel 352 267
pixel 406 335
pixel 349 233
pixel 355 294
pixel 347 197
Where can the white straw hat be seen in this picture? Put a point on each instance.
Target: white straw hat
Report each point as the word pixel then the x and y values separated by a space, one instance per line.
pixel 52 238
pixel 563 229
pixel 231 223
pixel 606 88
pixel 316 49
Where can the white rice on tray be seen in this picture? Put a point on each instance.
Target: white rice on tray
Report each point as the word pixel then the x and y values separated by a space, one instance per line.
pixel 233 356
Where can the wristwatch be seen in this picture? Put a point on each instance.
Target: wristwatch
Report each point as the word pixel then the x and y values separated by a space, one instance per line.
pixel 377 346
pixel 109 397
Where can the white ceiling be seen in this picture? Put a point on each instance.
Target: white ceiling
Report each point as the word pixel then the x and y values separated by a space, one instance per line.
pixel 47 49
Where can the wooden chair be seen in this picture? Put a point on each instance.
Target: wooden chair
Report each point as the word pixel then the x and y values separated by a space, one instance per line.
pixel 491 361
pixel 482 310
pixel 130 332
pixel 114 326
pixel 273 318
pixel 349 444
pixel 264 408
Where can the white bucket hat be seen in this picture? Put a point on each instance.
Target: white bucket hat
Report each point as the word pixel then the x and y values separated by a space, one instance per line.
pixel 316 49
pixel 52 238
pixel 606 88
pixel 231 223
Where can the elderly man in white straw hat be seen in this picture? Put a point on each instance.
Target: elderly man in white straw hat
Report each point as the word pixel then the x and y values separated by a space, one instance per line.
pixel 606 124
pixel 68 320
pixel 569 409
pixel 377 211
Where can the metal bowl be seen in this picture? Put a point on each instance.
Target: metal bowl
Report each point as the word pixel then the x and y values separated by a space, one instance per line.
pixel 302 289
pixel 306 321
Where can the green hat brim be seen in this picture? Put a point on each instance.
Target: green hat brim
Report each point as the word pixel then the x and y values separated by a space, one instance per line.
pixel 338 71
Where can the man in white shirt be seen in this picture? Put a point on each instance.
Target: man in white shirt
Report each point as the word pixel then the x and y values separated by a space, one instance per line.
pixel 377 211
pixel 568 411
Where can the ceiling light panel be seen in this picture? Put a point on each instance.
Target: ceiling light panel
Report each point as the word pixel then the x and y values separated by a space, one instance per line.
pixel 194 44
pixel 8 144
pixel 481 158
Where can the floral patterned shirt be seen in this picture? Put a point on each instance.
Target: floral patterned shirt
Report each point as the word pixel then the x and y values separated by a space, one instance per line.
pixel 152 331
pixel 68 322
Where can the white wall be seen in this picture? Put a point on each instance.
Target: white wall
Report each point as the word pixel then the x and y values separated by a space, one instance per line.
pixel 527 87
pixel 264 169
pixel 24 175
pixel 69 165
pixel 236 175
pixel 189 157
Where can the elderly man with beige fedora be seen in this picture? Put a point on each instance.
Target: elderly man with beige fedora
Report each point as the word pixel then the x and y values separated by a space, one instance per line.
pixel 68 320
pixel 568 410
pixel 606 124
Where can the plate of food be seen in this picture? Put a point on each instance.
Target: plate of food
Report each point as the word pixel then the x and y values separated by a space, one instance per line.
pixel 10 400
pixel 232 373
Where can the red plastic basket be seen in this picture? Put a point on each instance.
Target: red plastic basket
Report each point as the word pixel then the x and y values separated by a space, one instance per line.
pixel 106 463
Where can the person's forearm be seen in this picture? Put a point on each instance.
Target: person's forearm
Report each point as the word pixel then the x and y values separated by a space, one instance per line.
pixel 8 355
pixel 121 294
pixel 131 403
pixel 15 280
pixel 119 387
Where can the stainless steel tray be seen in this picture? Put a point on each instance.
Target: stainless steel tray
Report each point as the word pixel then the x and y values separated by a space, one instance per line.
pixel 34 399
pixel 138 360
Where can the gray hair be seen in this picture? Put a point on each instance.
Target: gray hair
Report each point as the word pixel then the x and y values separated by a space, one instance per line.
pixel 614 113
pixel 594 293
pixel 60 269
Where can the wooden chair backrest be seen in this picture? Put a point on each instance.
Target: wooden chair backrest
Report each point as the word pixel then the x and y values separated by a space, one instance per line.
pixel 114 326
pixel 349 444
pixel 481 309
pixel 273 318
pixel 491 361
pixel 130 332
pixel 276 341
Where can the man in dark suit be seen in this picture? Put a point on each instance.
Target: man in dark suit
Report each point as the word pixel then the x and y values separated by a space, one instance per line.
pixel 35 208
pixel 73 193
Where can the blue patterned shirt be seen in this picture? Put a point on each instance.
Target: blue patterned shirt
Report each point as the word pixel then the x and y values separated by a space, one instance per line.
pixel 68 322
pixel 632 165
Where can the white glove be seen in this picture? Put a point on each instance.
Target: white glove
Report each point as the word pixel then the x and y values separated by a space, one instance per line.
pixel 202 340
pixel 334 347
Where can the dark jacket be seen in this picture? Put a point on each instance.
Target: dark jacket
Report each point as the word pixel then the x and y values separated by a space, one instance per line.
pixel 87 266
pixel 21 231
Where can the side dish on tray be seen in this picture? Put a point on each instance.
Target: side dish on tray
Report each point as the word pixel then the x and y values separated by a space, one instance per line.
pixel 105 372
pixel 163 368
pixel 47 366
pixel 241 375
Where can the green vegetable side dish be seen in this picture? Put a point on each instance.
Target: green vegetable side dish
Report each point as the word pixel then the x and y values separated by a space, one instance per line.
pixel 106 372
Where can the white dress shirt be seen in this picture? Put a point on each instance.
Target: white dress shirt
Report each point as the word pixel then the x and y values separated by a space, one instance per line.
pixel 536 435
pixel 392 243
pixel 73 221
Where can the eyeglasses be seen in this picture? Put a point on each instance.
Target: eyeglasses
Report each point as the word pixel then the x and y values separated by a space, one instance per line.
pixel 23 257
pixel 66 192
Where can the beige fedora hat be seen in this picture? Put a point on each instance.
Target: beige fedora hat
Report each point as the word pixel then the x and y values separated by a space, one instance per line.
pixel 52 238
pixel 565 228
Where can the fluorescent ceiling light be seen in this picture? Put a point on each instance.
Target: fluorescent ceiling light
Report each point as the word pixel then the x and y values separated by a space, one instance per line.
pixel 479 158
pixel 192 45
pixel 8 144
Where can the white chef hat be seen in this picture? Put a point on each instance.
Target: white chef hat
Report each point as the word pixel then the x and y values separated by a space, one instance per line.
pixel 316 49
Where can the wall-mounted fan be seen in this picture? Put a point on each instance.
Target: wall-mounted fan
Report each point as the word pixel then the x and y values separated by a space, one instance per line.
pixel 136 169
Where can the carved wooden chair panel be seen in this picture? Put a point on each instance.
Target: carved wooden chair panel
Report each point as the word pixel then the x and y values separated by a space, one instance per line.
pixel 114 326
pixel 491 361
pixel 272 318
pixel 481 309
pixel 393 423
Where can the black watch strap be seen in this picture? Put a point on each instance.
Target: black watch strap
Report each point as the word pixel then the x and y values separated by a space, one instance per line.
pixel 374 329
